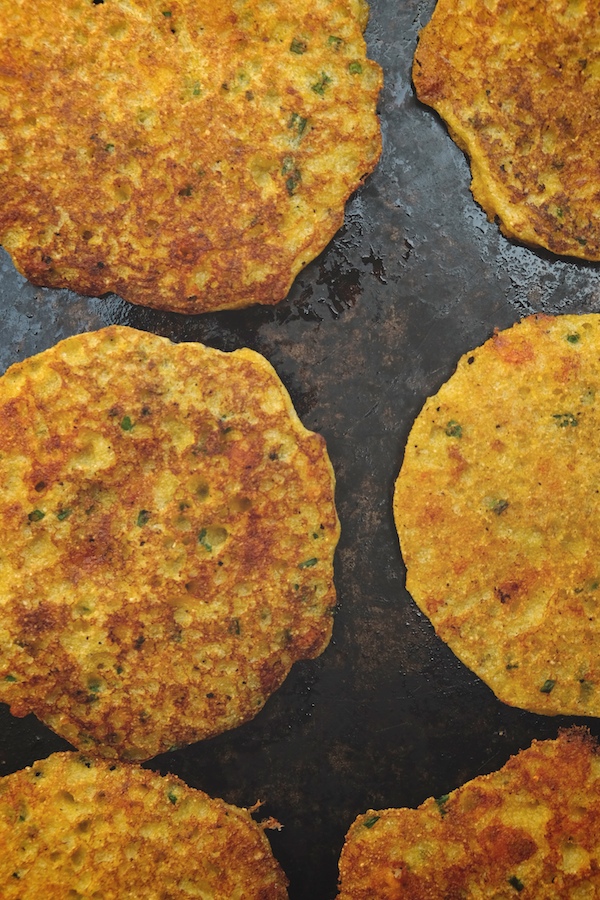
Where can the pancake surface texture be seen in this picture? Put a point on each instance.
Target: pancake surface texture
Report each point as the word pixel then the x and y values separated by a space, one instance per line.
pixel 168 537
pixel 530 830
pixel 497 506
pixel 75 827
pixel 188 156
pixel 518 84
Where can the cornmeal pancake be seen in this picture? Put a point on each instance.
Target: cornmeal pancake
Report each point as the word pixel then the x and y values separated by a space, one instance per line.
pixel 498 513
pixel 188 156
pixel 75 827
pixel 530 830
pixel 168 537
pixel 518 84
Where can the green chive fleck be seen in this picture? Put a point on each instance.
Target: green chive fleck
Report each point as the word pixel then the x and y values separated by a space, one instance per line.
pixel 547 686
pixel 308 563
pixel 499 506
pixel 355 68
pixel 573 338
pixel 63 514
pixel 441 803
pixel 292 181
pixel 202 540
pixel 516 883
pixel 143 517
pixel 298 123
pixel 172 797
pixel 321 84
pixel 10 678
pixel 167 14
pixel 564 420
pixel 298 46
pixel 581 241
pixel 36 516
pixel 453 429
pixel 368 823
pixel 335 42
pixel 126 423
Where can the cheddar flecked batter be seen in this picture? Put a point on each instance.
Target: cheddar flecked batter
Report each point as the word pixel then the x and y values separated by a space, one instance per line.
pixel 529 830
pixel 497 507
pixel 518 84
pixel 187 156
pixel 168 536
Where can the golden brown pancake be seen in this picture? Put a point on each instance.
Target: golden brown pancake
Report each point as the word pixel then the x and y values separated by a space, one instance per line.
pixel 168 537
pixel 74 827
pixel 497 507
pixel 530 830
pixel 188 156
pixel 518 84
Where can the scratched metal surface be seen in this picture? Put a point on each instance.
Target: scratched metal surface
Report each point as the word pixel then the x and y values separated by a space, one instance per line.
pixel 386 716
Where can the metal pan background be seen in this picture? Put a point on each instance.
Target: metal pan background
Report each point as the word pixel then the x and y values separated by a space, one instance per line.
pixel 387 716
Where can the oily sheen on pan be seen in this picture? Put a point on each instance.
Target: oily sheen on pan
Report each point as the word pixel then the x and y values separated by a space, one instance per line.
pixel 169 529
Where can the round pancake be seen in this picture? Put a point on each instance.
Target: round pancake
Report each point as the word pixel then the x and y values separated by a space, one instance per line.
pixel 498 513
pixel 80 828
pixel 169 530
pixel 518 85
pixel 188 156
pixel 529 830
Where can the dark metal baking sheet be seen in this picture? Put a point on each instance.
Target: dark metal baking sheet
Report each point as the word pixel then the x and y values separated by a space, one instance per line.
pixel 386 716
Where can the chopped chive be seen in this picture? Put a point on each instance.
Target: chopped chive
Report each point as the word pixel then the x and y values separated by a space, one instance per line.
pixel 63 514
pixel 335 42
pixel 573 338
pixel 143 517
pixel 126 423
pixel 167 14
pixel 321 84
pixel 298 46
pixel 368 823
pixel 440 802
pixel 564 420
pixel 298 123
pixel 292 182
pixel 36 515
pixel 355 68
pixel 308 563
pixel 499 506
pixel 581 241
pixel 453 429
pixel 172 797
pixel 202 539
pixel 516 883
pixel 547 686
pixel 10 678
